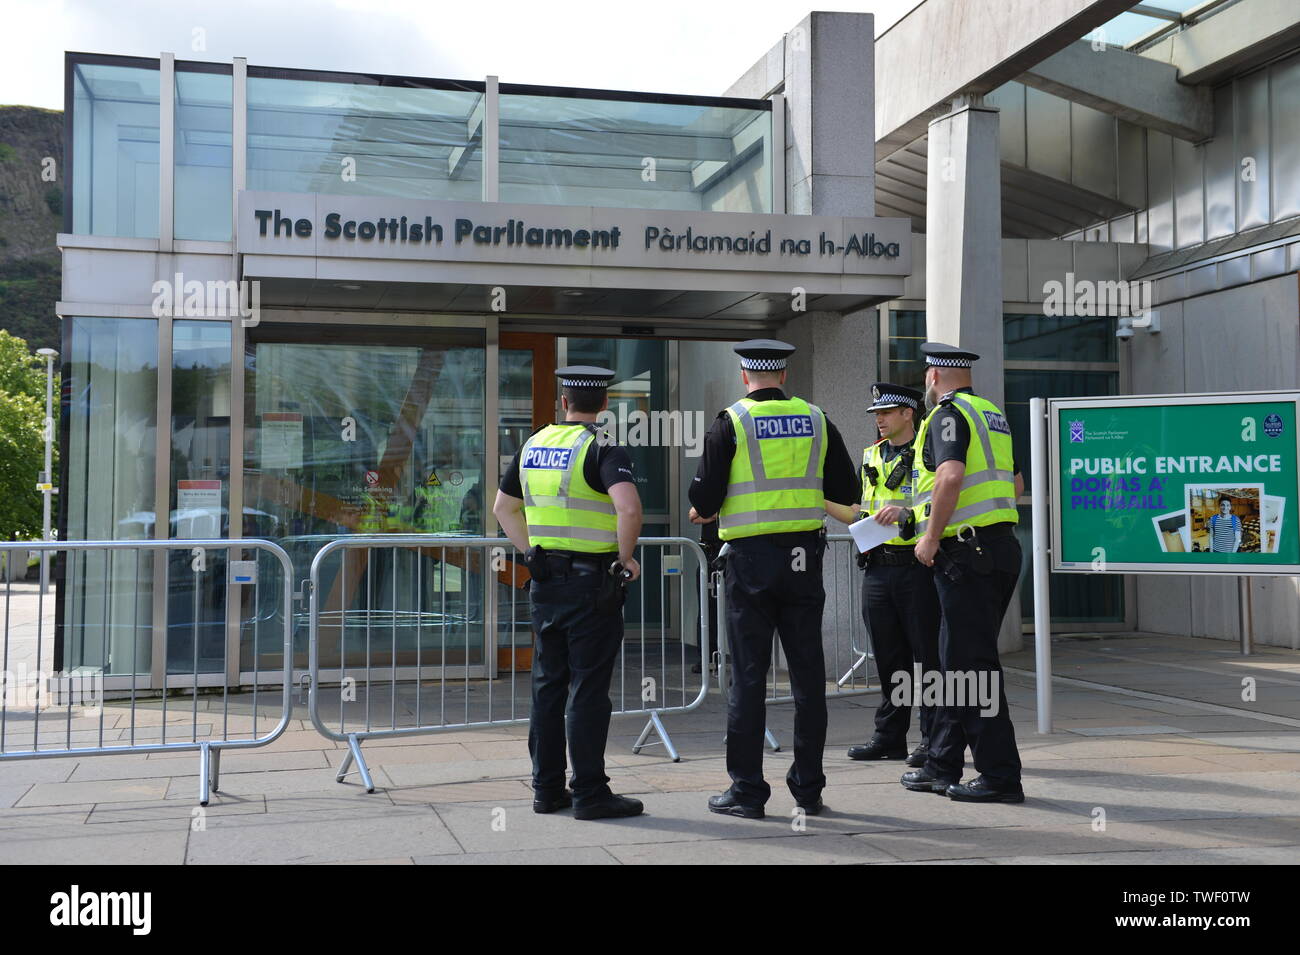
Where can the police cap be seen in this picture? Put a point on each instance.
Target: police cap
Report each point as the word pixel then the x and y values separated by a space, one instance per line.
pixel 763 354
pixel 584 376
pixel 884 395
pixel 946 356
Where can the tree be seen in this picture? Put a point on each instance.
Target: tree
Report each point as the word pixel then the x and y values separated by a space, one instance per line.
pixel 22 438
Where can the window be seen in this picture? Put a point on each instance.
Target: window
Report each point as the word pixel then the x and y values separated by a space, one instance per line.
pixel 364 136
pixel 114 149
pixel 642 153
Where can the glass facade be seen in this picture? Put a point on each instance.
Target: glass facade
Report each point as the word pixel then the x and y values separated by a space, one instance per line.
pixel 634 153
pixel 356 431
pixel 199 495
pixel 203 188
pixel 114 150
pixel 364 136
pixel 111 413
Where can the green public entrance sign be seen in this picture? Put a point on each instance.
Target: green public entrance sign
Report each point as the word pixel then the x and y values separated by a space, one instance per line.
pixel 1176 483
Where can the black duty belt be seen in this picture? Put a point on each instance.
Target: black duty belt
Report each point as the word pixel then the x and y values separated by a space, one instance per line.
pixel 892 555
pixel 564 564
pixel 1002 529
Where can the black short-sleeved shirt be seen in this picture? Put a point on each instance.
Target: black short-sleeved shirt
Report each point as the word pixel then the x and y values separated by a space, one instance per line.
pixel 610 465
pixel 841 483
pixel 937 450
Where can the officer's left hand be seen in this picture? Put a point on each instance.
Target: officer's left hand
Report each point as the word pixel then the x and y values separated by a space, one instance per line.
pixel 890 514
pixel 696 519
pixel 631 566
pixel 926 548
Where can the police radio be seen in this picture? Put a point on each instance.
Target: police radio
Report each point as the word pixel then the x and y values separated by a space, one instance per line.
pixel 902 468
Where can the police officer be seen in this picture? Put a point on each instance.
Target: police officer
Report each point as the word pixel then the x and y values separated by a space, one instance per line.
pixel 768 466
pixel 899 603
pixel 965 513
pixel 569 500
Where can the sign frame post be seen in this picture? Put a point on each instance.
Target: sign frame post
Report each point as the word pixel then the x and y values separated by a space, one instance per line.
pixel 1040 501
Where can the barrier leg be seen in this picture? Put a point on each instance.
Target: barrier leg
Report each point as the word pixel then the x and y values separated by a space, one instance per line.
pixel 354 756
pixel 205 766
pixel 853 669
pixel 216 769
pixel 771 740
pixel 656 724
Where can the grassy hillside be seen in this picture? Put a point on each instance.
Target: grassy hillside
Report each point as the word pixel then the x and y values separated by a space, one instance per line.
pixel 31 214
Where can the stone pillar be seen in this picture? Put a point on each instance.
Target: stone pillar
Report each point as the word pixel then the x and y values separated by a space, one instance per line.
pixel 963 257
pixel 830 82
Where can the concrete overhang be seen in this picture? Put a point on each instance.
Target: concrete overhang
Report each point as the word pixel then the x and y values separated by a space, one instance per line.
pixel 946 48
pixel 1134 88
pixel 1239 35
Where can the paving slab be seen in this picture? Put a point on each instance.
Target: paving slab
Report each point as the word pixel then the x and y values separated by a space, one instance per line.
pixel 385 831
pixel 794 849
pixel 95 791
pixel 156 842
pixel 581 856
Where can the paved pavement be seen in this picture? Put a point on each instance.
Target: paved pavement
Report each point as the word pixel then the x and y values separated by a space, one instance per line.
pixel 1172 767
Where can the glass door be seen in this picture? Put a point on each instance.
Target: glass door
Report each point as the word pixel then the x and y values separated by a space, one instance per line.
pixel 370 430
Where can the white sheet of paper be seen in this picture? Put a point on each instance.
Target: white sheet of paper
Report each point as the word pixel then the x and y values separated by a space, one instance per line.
pixel 868 534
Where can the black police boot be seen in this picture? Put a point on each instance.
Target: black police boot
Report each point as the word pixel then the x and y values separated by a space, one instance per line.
pixel 980 789
pixel 876 749
pixel 919 756
pixel 813 808
pixel 920 781
pixel 545 804
pixel 727 804
pixel 610 807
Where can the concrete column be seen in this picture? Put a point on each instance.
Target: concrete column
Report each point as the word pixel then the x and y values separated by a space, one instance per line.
pixel 963 238
pixel 963 257
pixel 830 111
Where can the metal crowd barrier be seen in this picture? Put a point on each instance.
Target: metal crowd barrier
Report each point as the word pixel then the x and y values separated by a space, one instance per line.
pixel 398 630
pixel 850 643
pixel 103 677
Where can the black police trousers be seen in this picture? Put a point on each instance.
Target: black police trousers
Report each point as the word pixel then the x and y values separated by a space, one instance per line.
pixel 576 650
pixel 773 587
pixel 972 608
pixel 901 610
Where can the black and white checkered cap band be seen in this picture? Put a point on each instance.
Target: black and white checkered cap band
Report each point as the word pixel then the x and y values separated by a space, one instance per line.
pixel 948 362
pixel 896 400
pixel 584 383
pixel 762 364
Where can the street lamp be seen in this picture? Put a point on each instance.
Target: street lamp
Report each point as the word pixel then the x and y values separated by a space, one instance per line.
pixel 46 484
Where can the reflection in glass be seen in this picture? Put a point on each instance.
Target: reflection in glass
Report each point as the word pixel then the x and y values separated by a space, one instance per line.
pixel 202 187
pixel 348 437
pixel 362 139
pixel 115 150
pixel 623 153
pixel 111 400
pixel 199 495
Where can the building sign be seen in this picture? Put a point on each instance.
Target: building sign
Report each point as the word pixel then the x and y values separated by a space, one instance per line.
pixel 198 510
pixel 509 233
pixel 1176 484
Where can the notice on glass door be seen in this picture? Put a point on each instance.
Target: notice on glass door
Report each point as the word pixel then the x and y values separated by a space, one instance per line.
pixel 198 510
pixel 281 440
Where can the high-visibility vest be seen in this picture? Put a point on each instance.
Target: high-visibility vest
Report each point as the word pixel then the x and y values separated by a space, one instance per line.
pixel 988 488
pixel 437 509
pixel 775 484
pixel 562 510
pixel 874 493
pixel 370 520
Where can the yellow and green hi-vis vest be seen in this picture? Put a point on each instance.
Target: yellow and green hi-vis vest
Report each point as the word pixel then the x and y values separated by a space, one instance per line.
pixel 874 493
pixel 562 510
pixel 988 489
pixel 775 484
